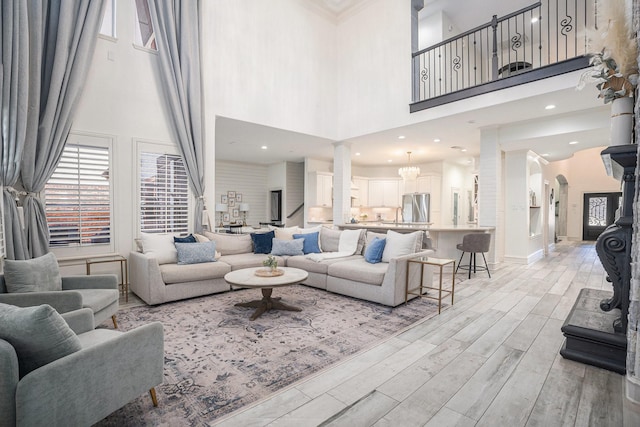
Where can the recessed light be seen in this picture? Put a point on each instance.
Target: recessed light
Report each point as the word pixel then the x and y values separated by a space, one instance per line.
pixel 550 107
pixel 264 147
pixel 573 142
pixel 436 140
pixel 545 155
pixel 463 150
pixel 401 137
pixel 389 160
pixel 357 154
pixel 534 19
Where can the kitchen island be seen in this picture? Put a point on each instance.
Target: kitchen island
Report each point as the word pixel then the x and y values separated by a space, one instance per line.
pixel 443 238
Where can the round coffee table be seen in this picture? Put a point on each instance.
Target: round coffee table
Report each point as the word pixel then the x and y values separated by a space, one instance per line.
pixel 246 278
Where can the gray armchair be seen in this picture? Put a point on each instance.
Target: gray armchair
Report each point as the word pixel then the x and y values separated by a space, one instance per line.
pixel 111 369
pixel 99 293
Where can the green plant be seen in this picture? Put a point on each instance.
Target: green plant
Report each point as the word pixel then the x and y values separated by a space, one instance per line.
pixel 270 262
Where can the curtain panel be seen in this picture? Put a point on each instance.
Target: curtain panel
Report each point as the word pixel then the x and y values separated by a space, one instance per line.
pixel 14 92
pixel 177 29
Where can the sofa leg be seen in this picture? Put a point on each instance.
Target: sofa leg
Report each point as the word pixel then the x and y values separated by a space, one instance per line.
pixel 115 322
pixel 154 399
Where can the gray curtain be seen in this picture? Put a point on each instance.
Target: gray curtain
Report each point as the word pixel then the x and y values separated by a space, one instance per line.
pixel 62 40
pixel 14 90
pixel 176 26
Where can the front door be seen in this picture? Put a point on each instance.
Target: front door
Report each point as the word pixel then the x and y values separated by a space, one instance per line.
pixel 599 212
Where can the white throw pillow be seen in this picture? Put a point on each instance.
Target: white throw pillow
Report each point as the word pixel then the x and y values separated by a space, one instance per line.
pixel 399 244
pixel 160 247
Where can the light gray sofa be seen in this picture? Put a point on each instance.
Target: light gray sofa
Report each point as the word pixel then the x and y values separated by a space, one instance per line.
pixel 383 283
pixel 99 293
pixel 80 389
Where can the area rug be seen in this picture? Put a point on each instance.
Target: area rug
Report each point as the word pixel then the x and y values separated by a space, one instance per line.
pixel 217 360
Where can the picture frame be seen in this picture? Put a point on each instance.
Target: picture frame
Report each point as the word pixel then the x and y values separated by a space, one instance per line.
pixel 223 199
pixel 231 195
pixel 225 217
pixel 239 197
pixel 236 213
pixel 232 202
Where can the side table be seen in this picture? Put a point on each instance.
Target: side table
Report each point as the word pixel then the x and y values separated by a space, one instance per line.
pixel 438 262
pixel 124 271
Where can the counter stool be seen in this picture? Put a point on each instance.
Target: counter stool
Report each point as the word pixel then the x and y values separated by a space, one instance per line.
pixel 474 243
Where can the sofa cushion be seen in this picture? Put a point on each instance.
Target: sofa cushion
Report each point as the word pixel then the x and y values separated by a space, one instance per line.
pixel 329 239
pixel 38 334
pixel 373 253
pixel 287 247
pixel 231 244
pixel 160 247
pixel 310 266
pixel 39 274
pixel 98 299
pixel 311 244
pixel 174 273
pixel 249 260
pixel 399 244
pixel 262 242
pixel 359 270
pixel 196 253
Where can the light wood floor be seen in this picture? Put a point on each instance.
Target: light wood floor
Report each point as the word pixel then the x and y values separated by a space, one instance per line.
pixel 491 359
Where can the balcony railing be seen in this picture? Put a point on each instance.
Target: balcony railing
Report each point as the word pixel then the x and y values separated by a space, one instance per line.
pixel 545 39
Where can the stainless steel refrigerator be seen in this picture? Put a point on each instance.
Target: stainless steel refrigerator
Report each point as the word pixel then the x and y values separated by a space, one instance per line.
pixel 415 207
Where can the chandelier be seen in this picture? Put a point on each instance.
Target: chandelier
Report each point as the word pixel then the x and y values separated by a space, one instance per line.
pixel 409 173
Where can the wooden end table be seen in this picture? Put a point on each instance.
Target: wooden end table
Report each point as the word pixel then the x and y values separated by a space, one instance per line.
pixel 246 278
pixel 438 262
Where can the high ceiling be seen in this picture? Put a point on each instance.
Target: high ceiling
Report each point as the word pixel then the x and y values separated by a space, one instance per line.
pixel 579 116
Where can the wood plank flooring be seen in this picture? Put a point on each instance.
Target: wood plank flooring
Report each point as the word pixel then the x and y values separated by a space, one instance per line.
pixel 492 359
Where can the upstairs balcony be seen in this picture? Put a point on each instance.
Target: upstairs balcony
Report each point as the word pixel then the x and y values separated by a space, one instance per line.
pixel 543 40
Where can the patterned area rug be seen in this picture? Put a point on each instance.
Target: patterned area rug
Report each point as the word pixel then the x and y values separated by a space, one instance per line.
pixel 217 360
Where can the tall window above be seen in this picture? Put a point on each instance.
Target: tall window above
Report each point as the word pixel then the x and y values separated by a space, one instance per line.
pixel 108 27
pixel 144 35
pixel 78 197
pixel 164 193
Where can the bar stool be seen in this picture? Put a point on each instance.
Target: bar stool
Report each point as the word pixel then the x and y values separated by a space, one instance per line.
pixel 474 243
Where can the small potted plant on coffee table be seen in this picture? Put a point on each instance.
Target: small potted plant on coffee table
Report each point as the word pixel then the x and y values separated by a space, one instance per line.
pixel 271 263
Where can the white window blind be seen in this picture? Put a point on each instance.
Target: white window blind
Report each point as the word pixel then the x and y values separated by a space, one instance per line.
pixel 164 194
pixel 78 199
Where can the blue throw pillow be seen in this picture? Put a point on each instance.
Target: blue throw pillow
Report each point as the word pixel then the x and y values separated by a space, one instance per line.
pixel 188 239
pixel 373 253
pixel 196 253
pixel 287 247
pixel 262 242
pixel 311 245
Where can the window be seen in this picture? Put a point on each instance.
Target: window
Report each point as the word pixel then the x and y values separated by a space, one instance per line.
pixel 108 27
pixel 164 193
pixel 144 35
pixel 78 195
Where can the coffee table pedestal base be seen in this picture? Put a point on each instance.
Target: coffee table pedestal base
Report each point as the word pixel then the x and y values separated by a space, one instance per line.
pixel 266 303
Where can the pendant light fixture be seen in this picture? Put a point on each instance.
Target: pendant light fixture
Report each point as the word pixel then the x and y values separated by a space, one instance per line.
pixel 409 173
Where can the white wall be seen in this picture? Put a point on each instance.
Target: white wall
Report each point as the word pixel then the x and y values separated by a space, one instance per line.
pixel 248 179
pixel 581 179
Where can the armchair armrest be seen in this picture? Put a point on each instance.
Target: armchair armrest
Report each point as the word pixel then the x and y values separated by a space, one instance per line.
pixel 98 281
pixel 62 302
pixel 118 369
pixel 80 321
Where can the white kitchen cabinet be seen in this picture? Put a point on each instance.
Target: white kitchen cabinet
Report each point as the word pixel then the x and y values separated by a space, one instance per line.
pixel 384 193
pixel 362 193
pixel 321 186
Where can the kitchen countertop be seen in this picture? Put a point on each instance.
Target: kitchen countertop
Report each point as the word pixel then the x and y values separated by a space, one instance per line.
pixel 425 227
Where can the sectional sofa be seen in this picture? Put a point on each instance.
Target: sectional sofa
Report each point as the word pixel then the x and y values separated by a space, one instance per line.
pixel 156 277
